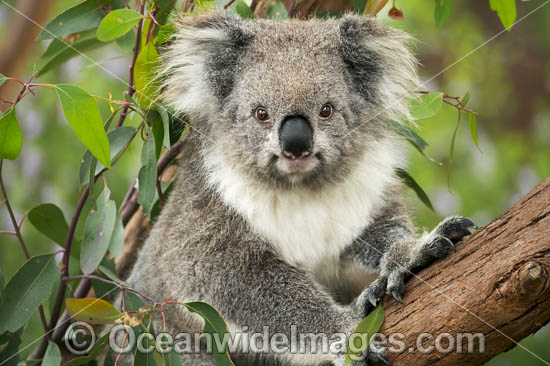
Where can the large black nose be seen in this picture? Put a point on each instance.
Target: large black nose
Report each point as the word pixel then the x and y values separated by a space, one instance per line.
pixel 296 137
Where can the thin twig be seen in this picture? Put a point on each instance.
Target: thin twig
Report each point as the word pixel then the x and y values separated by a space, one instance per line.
pixel 228 4
pixel 116 284
pixel 131 88
pixel 18 235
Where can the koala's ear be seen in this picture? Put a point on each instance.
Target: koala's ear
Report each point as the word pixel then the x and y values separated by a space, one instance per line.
pixel 378 59
pixel 199 66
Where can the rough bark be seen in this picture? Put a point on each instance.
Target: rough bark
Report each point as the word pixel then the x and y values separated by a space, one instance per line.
pixel 497 284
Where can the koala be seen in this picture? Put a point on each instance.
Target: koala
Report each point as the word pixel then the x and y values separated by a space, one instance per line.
pixel 287 209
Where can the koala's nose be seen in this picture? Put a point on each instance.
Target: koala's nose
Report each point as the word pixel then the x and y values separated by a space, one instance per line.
pixel 296 137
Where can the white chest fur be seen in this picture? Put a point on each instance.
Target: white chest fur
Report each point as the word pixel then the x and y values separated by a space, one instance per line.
pixel 307 227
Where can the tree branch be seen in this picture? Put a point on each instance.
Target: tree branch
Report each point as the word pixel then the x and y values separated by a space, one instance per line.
pixel 496 284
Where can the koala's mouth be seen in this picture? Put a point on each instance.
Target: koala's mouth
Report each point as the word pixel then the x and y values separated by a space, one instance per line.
pixel 296 167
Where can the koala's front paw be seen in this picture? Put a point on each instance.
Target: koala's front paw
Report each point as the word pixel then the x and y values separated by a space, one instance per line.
pixel 402 257
pixel 454 228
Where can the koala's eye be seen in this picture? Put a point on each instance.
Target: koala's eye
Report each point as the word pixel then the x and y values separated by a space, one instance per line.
pixel 326 111
pixel 262 115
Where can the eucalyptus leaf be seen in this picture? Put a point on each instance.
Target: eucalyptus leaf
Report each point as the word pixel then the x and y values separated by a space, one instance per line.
pixel 96 350
pixel 9 347
pixel 97 233
pixel 147 64
pixel 147 177
pixel 277 11
pixel 243 10
pixel 80 17
pixel 119 140
pixel 50 221
pixel 11 139
pixel 83 116
pixel 52 357
pixel 127 41
pixel 473 129
pixel 117 239
pixel 465 99
pixel 117 23
pixel 411 183
pixel 60 51
pixel 367 327
pixel 165 34
pixel 213 325
pixel 92 310
pixel 31 285
pixel 154 120
pixel 442 11
pixel 426 105
pixel 506 10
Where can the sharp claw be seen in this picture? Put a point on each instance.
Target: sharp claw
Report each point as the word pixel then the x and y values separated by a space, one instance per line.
pixel 450 243
pixel 384 358
pixel 372 299
pixel 470 223
pixel 396 296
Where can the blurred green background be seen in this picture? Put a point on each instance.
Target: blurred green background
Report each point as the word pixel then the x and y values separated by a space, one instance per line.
pixel 508 78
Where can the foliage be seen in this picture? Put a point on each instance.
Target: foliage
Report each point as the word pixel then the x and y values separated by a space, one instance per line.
pixel 140 128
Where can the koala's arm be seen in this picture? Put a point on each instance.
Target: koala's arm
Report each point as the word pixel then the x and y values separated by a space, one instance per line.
pixel 258 289
pixel 389 246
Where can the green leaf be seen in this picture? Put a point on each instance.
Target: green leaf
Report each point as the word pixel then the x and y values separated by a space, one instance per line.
pixel 49 220
pixel 359 6
pixel 277 11
pixel 367 328
pixel 28 288
pixel 117 239
pixel 465 99
pixel 92 310
pixel 117 23
pixel 154 120
pixel 60 51
pixel 2 78
pixel 213 324
pixel 1 287
pixel 147 177
pixel 9 347
pixel 426 105
pixel 165 34
pixel 506 10
pixel 147 64
pixel 119 140
pixel 97 233
pixel 52 357
pixel 442 11
pixel 414 139
pixel 411 183
pixel 96 350
pixel 11 139
pixel 165 8
pixel 473 129
pixel 157 206
pixel 127 41
pixel 83 116
pixel 243 10
pixel 453 139
pixel 79 18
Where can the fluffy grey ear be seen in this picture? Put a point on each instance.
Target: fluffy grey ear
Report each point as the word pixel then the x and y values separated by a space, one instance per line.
pixel 200 65
pixel 382 67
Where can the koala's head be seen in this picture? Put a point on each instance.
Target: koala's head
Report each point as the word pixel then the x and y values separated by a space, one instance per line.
pixel 289 103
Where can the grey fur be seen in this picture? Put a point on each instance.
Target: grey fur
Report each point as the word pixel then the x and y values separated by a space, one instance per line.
pixel 222 237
